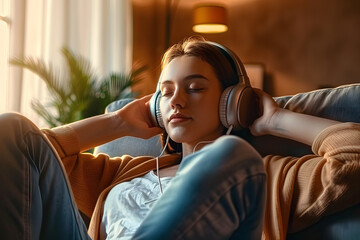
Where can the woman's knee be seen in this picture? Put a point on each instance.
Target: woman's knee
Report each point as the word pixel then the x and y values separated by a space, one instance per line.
pixel 14 128
pixel 228 156
pixel 14 122
pixel 13 116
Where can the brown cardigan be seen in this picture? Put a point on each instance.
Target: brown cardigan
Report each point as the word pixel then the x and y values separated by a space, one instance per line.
pixel 299 190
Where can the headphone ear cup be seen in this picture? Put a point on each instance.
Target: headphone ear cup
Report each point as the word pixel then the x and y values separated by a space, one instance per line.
pixel 154 106
pixel 223 105
pixel 247 108
pixel 238 106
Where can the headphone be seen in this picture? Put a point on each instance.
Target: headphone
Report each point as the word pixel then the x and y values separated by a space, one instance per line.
pixel 238 104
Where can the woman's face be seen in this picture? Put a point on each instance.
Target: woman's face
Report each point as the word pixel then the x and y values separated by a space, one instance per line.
pixel 190 100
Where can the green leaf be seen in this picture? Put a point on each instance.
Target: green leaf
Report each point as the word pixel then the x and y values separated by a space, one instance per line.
pixel 82 94
pixel 45 72
pixel 81 76
pixel 46 115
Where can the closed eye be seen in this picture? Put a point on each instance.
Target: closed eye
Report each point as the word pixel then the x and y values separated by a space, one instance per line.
pixel 166 93
pixel 195 90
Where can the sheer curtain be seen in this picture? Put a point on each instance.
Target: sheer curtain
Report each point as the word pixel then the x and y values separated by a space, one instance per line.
pixel 100 30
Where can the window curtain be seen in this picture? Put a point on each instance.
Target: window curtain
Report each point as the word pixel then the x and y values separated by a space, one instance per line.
pixel 99 30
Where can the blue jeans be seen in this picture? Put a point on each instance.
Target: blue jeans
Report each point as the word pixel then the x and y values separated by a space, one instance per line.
pixel 218 193
pixel 36 201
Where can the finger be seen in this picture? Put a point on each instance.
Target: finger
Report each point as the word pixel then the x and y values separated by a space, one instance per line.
pixel 147 97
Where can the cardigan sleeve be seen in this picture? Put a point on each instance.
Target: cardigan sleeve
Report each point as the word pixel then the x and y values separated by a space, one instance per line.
pixel 89 175
pixel 328 185
pixel 302 190
pixel 333 186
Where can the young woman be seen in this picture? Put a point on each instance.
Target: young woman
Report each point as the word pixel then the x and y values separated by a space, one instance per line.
pixel 213 188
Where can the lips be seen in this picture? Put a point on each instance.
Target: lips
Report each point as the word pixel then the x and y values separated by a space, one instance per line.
pixel 178 117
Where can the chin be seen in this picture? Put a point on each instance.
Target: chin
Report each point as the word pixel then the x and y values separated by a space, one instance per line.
pixel 179 136
pixel 177 139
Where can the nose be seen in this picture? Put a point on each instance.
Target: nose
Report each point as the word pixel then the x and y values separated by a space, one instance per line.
pixel 178 99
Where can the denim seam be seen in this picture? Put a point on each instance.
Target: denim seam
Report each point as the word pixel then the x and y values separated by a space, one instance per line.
pixel 28 231
pixel 27 187
pixel 68 186
pixel 236 183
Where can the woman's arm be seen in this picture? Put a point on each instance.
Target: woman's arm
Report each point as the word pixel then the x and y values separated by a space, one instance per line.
pixel 131 120
pixel 287 124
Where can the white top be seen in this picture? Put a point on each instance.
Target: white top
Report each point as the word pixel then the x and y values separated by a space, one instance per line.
pixel 128 203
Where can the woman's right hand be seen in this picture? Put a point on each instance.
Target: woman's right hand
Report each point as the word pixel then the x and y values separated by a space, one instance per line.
pixel 135 119
pixel 132 120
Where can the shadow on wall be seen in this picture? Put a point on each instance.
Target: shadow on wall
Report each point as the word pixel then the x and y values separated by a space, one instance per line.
pixel 268 83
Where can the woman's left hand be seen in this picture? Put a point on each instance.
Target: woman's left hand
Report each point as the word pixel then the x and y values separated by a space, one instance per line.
pixel 269 109
pixel 284 123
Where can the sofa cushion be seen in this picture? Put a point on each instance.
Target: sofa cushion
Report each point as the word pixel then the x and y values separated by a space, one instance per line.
pixel 339 226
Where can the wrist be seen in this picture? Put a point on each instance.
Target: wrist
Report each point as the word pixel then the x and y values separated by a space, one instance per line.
pixel 276 125
pixel 118 122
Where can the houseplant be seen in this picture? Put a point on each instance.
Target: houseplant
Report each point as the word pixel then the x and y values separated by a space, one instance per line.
pixel 82 94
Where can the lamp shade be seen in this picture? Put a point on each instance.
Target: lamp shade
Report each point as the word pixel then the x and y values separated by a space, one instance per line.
pixel 209 19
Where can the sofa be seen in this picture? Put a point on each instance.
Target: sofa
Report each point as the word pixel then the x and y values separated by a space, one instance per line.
pixel 340 103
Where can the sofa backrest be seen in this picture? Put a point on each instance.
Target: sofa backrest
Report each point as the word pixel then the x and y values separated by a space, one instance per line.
pixel 341 103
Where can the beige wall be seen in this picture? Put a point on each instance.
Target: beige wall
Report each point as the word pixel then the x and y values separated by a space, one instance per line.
pixel 303 44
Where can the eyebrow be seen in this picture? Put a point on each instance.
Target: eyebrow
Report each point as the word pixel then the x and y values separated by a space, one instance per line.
pixel 187 78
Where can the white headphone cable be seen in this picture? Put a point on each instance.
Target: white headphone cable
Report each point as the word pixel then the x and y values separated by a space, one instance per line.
pixel 204 142
pixel 157 163
pixel 229 130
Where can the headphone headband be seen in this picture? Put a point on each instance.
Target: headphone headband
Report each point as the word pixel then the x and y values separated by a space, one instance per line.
pixel 234 61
